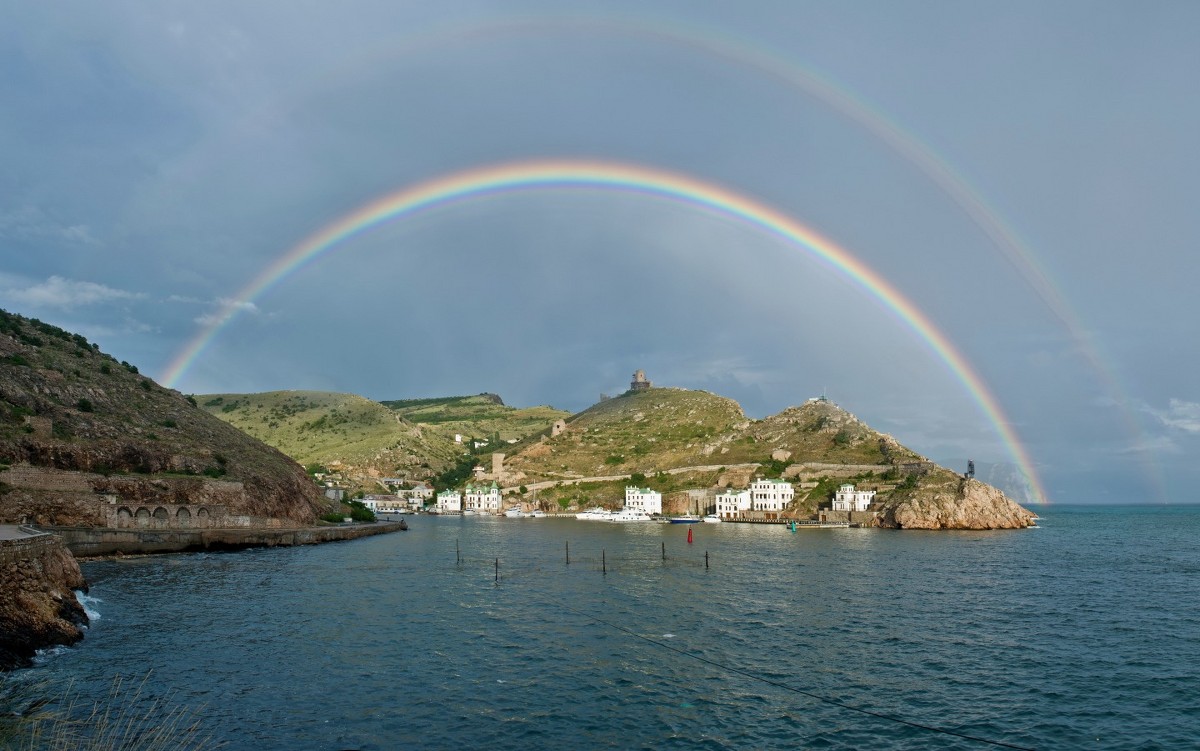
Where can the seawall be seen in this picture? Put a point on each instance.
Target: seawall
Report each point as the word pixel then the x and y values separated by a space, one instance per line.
pixel 92 541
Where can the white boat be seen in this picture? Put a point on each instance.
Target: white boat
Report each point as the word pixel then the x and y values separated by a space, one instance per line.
pixel 536 514
pixel 630 515
pixel 711 519
pixel 595 514
pixel 468 512
pixel 514 513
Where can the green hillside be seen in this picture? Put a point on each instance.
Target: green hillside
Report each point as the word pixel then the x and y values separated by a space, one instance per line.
pixel 484 416
pixel 658 429
pixel 331 429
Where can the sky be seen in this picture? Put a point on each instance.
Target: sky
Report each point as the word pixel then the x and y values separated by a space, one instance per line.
pixel 1024 174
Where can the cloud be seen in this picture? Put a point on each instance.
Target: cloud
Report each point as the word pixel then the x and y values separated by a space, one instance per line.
pixel 1180 415
pixel 30 223
pixel 226 308
pixel 66 294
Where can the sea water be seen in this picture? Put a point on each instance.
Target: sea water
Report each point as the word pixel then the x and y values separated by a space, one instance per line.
pixel 478 633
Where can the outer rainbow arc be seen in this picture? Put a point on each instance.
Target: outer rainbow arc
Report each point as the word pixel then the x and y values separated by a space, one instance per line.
pixel 533 174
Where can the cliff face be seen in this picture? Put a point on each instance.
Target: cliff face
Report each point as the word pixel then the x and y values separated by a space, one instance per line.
pixel 967 504
pixel 38 607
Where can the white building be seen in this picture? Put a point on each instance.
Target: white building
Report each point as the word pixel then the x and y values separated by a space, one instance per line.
pixel 482 498
pixel 384 504
pixel 731 503
pixel 449 502
pixel 770 495
pixel 849 499
pixel 643 499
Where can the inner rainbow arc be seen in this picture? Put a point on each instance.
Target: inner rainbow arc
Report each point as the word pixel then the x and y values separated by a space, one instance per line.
pixel 566 173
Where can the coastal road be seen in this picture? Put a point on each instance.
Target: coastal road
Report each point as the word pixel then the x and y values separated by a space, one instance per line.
pixel 609 478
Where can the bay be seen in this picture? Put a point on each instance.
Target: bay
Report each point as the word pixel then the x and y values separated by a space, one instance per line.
pixel 477 633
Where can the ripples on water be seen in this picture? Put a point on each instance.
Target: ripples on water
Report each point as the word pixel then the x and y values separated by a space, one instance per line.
pixel 1080 634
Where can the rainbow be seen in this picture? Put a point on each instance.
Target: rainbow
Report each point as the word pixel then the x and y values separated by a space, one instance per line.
pixel 558 174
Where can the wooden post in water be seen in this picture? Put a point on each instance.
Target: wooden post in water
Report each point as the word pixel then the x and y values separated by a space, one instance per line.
pixel 497 570
pixel 705 560
pixel 664 550
pixel 603 563
pixel 568 552
pixel 457 552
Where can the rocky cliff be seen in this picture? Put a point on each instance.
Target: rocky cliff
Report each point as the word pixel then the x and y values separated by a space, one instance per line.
pixel 952 503
pixel 38 607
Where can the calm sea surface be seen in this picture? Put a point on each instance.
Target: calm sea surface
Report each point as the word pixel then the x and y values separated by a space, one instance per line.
pixel 1083 633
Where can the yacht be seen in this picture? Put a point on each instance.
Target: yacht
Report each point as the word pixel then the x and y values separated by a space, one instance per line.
pixel 595 514
pixel 630 515
pixel 711 519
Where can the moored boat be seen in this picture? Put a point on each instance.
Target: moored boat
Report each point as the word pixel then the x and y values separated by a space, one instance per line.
pixel 630 515
pixel 711 519
pixel 685 519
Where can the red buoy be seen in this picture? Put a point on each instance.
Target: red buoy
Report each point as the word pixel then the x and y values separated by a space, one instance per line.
pixel 689 535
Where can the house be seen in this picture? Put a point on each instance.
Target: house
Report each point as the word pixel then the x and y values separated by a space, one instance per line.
pixel 732 503
pixel 643 499
pixel 449 502
pixel 770 495
pixel 848 499
pixel 384 504
pixel 482 498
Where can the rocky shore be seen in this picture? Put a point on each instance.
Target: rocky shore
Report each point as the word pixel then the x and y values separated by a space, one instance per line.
pixel 970 505
pixel 38 607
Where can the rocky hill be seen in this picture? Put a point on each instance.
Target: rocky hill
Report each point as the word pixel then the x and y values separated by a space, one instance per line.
pixel 664 428
pixel 674 440
pixel 76 427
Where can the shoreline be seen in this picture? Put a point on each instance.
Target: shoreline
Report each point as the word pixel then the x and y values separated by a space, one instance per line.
pixel 99 542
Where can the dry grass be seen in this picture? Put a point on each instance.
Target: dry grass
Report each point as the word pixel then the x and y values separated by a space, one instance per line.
pixel 127 720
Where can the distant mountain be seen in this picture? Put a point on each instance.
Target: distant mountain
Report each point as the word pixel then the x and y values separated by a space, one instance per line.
pixel 67 407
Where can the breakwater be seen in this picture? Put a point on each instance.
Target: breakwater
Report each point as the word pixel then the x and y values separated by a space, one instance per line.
pixel 89 542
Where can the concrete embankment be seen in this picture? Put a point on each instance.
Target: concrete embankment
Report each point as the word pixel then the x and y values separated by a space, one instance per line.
pixel 90 541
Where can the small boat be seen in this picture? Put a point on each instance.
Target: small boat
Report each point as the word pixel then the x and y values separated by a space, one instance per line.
pixel 514 513
pixel 536 514
pixel 711 519
pixel 685 519
pixel 630 515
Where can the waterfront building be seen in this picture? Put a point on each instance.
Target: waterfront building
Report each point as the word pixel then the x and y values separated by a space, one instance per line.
pixel 482 498
pixel 849 499
pixel 449 502
pixel 732 503
pixel 643 499
pixel 770 495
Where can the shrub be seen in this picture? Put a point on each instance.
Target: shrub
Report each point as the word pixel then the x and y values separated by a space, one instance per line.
pixel 84 405
pixel 104 368
pixel 169 423
pixel 145 385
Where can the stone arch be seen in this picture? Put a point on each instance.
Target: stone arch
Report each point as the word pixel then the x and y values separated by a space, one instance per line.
pixel 202 513
pixel 143 513
pixel 183 513
pixel 124 515
pixel 161 513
